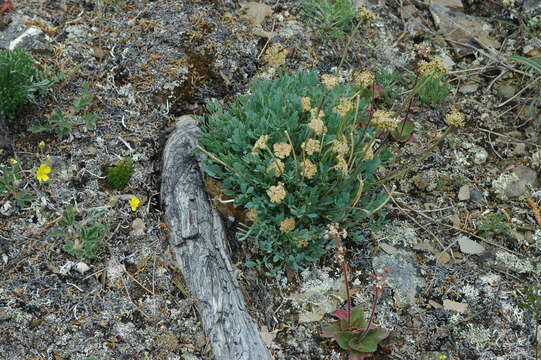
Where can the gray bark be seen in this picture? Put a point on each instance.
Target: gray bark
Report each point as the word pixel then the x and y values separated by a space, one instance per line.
pixel 197 238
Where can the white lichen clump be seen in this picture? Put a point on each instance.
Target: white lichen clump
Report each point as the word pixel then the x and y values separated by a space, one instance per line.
pixel 500 184
pixel 477 336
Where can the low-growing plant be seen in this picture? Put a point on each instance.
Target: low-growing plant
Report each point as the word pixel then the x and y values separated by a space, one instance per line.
pixel 120 174
pixel 20 82
pixel 431 84
pixel 83 238
pixel 296 154
pixel 360 338
pixel 493 225
pixel 389 81
pixel 332 18
pixel 62 123
pixel 10 184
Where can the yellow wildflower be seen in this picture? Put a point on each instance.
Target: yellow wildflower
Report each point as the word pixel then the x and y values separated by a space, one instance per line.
pixel 311 146
pixel 345 106
pixel 455 118
pixel 329 81
pixel 317 123
pixel 287 225
pixel 278 167
pixel 305 103
pixel 366 14
pixel 42 171
pixel 282 150
pixel 340 147
pixel 308 169
pixel 383 120
pixel 277 193
pixel 302 243
pixel 41 144
pixel 252 215
pixel 275 55
pixel 12 161
pixel 134 203
pixel 261 143
pixel 364 79
pixel 434 66
pixel 341 165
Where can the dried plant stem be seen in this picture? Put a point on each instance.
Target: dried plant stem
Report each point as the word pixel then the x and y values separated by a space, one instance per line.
pixel 345 271
pixel 213 157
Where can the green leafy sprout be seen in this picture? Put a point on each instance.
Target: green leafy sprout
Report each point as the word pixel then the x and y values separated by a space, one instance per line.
pixel 331 18
pixel 10 184
pixel 120 174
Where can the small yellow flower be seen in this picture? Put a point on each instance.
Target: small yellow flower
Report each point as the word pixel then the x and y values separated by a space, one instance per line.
pixel 261 143
pixel 311 146
pixel 340 147
pixel 316 123
pixel 287 225
pixel 134 203
pixel 277 193
pixel 366 14
pixel 364 79
pixel 41 144
pixel 282 150
pixel 308 169
pixel 277 166
pixel 306 103
pixel 455 118
pixel 341 165
pixel 302 243
pixel 42 171
pixel 432 67
pixel 12 161
pixel 329 81
pixel 383 120
pixel 344 107
pixel 275 55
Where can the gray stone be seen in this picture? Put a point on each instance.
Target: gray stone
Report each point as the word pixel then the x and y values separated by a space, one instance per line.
pixel 476 195
pixel 138 227
pixel 464 193
pixel 480 156
pixel 526 178
pixel 468 246
pixel 20 36
pixel 403 275
pixel 506 91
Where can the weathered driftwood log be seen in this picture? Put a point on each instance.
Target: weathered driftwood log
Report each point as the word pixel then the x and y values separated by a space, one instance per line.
pixel 197 238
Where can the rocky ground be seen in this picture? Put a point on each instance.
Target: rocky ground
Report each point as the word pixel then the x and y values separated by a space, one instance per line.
pixel 460 233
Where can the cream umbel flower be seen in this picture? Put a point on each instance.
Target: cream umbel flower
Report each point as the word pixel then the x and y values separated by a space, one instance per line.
pixel 383 120
pixel 340 147
pixel 287 225
pixel 252 215
pixel 341 165
pixel 308 169
pixel 275 55
pixel 345 106
pixel 311 146
pixel 455 118
pixel 261 143
pixel 366 14
pixel 277 193
pixel 364 79
pixel 317 123
pixel 434 66
pixel 329 81
pixel 306 103
pixel 278 167
pixel 282 150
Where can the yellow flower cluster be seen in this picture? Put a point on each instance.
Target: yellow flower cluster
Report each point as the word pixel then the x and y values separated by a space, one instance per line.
pixel 308 169
pixel 261 143
pixel 364 79
pixel 277 193
pixel 275 55
pixel 277 166
pixel 306 103
pixel 329 81
pixel 311 146
pixel 302 243
pixel 345 106
pixel 287 225
pixel 252 215
pixel 365 14
pixel 341 165
pixel 455 118
pixel 282 150
pixel 383 120
pixel 340 147
pixel 316 123
pixel 434 66
pixel 12 161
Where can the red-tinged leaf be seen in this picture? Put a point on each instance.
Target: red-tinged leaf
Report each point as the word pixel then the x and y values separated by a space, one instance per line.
pixel 354 355
pixel 331 331
pixel 7 6
pixel 377 90
pixel 340 314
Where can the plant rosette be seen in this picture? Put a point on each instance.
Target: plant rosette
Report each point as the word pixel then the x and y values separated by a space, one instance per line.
pixel 359 341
